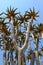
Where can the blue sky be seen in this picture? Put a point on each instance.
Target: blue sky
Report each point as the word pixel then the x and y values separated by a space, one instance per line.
pixel 22 5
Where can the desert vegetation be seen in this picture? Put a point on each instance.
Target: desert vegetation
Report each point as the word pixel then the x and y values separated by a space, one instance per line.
pixel 17 33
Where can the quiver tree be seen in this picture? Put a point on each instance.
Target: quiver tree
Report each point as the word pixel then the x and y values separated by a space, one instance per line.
pixel 25 44
pixel 12 20
pixel 34 32
pixel 3 40
pixel 16 36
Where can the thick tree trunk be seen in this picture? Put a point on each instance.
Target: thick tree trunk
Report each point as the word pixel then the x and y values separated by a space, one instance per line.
pixel 23 60
pixel 19 57
pixel 14 40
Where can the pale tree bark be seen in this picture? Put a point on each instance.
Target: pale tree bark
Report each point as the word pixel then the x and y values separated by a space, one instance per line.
pixel 23 60
pixel 36 43
pixel 37 59
pixel 32 59
pixel 8 60
pixel 19 57
pixel 36 52
pixel 27 37
pixel 25 44
pixel 13 35
pixel 4 57
pixel 11 56
pixel 4 52
pixel 14 41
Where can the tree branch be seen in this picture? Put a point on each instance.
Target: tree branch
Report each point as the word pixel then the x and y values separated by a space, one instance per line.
pixel 27 37
pixel 13 36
